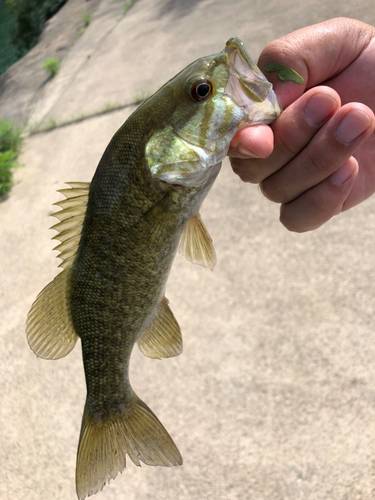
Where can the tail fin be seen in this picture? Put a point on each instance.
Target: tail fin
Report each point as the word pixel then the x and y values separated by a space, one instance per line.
pixel 103 446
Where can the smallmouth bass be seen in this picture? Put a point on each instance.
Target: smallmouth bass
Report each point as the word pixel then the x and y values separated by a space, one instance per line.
pixel 119 235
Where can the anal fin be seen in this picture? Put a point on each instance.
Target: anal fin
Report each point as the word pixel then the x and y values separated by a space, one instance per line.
pixel 196 244
pixel 162 339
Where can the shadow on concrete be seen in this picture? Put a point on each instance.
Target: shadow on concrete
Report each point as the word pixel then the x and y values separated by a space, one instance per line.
pixel 178 8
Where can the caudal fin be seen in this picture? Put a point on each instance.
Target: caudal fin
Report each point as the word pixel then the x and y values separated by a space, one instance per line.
pixel 103 446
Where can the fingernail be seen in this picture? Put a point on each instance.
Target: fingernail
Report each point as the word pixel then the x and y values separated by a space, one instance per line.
pixel 319 108
pixel 352 125
pixel 243 152
pixel 342 174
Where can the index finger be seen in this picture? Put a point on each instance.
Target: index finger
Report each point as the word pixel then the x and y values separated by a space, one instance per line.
pixel 317 53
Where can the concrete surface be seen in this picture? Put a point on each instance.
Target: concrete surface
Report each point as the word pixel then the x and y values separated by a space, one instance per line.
pixel 274 395
pixel 23 84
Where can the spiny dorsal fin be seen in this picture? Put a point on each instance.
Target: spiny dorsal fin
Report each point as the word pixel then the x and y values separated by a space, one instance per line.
pixel 49 326
pixel 196 244
pixel 162 339
pixel 71 217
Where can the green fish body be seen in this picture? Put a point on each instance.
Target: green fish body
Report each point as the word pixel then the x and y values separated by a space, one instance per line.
pixel 119 235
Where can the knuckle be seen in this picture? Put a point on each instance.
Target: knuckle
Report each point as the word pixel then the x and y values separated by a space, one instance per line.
pixel 317 163
pixel 290 220
pixel 246 171
pixel 312 210
pixel 287 146
pixel 270 192
pixel 290 225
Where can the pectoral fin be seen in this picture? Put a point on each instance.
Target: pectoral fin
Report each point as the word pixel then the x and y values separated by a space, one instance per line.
pixel 196 244
pixel 162 339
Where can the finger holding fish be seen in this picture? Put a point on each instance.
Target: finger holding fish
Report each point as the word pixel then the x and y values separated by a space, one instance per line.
pixel 312 187
pixel 292 132
pixel 251 142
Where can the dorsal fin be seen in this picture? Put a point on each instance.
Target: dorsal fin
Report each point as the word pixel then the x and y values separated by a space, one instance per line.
pixel 162 339
pixel 71 217
pixel 49 328
pixel 196 244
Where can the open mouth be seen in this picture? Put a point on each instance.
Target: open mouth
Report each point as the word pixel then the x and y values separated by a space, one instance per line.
pixel 248 87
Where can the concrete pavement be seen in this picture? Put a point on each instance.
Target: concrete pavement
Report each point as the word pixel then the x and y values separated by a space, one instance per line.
pixel 273 397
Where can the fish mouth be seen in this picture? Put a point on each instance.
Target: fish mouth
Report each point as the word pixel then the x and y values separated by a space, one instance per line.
pixel 248 87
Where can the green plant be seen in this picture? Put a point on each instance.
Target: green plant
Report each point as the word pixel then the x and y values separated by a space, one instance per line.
pixel 127 5
pixel 140 96
pixel 10 145
pixel 52 65
pixel 10 136
pixel 52 123
pixel 110 106
pixel 86 18
pixel 30 17
pixel 6 175
pixel 8 53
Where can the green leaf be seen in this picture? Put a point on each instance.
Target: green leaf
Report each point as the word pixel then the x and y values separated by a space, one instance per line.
pixel 285 74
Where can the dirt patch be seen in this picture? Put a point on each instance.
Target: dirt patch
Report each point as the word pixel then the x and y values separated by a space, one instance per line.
pixel 22 85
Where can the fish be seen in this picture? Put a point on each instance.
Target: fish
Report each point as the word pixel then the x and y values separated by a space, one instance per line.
pixel 118 237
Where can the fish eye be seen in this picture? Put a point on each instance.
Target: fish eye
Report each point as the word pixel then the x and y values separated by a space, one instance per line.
pixel 200 90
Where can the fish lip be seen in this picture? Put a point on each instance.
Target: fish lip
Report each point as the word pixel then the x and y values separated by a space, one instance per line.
pixel 235 44
pixel 248 87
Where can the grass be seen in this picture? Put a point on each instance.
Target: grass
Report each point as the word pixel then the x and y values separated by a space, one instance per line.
pixel 10 145
pixel 86 18
pixel 127 5
pixel 110 106
pixel 52 65
pixel 52 123
pixel 141 96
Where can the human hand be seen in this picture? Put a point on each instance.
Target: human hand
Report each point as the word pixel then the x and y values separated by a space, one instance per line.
pixel 320 153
